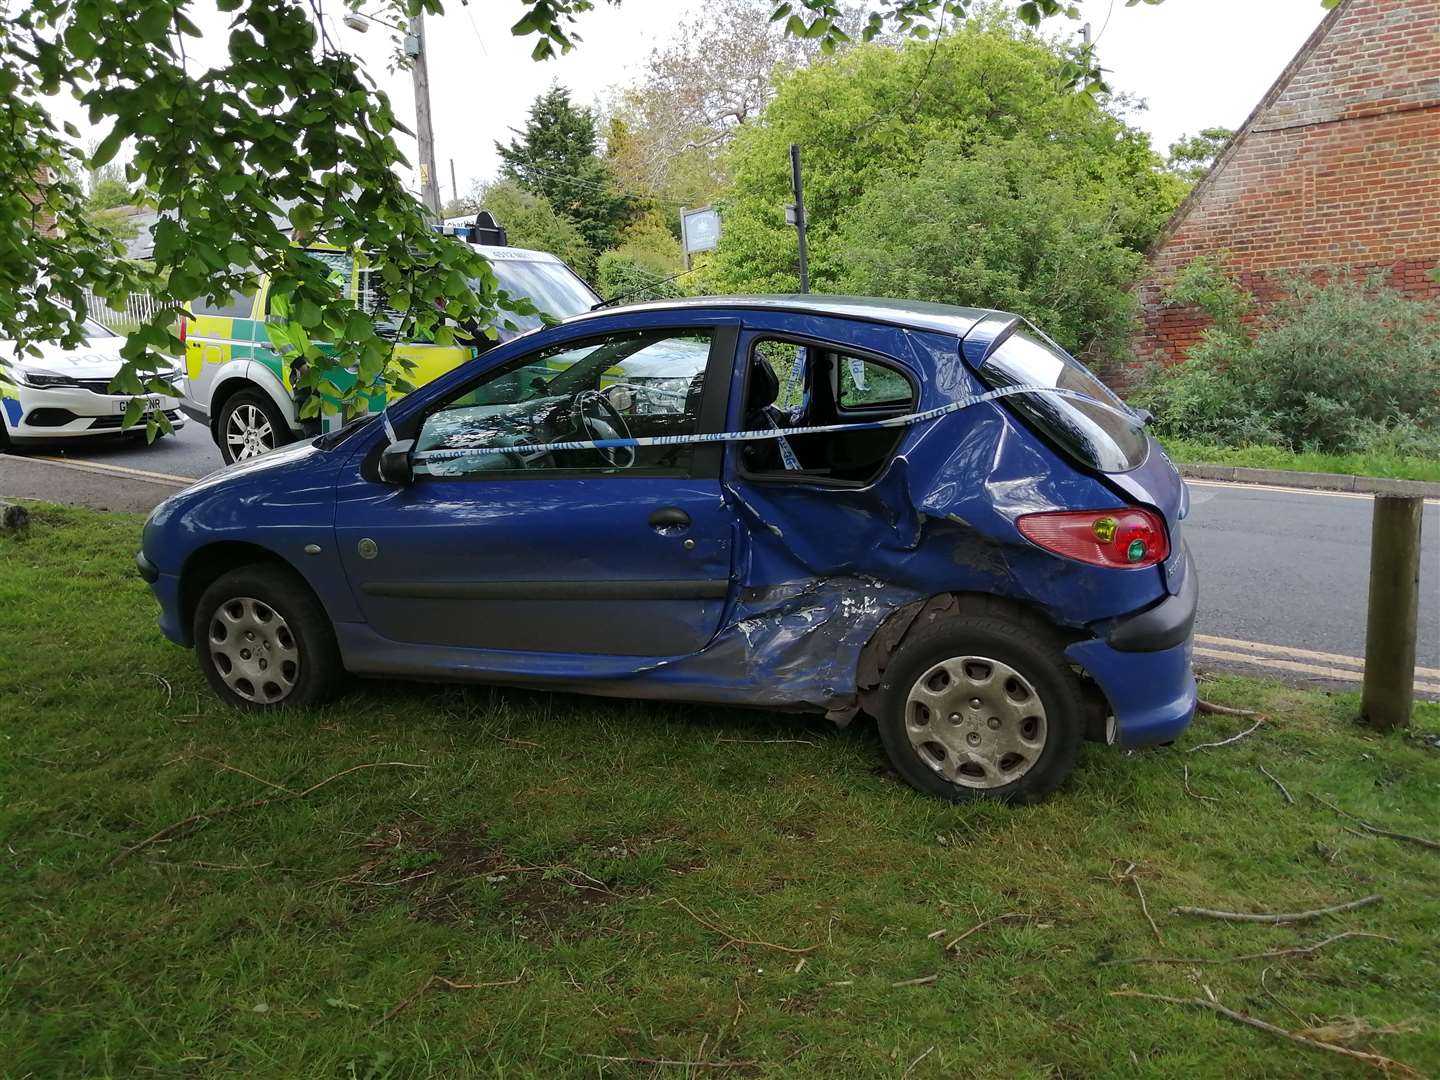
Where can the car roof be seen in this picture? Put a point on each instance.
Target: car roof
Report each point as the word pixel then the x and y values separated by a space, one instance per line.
pixel 915 314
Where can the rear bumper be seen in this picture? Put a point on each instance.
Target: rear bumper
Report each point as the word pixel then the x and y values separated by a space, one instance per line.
pixel 1151 694
pixel 1163 626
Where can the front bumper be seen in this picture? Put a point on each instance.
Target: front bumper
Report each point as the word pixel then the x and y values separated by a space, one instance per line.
pixel 65 412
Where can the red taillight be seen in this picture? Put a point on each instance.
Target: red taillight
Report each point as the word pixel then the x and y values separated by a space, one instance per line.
pixel 1121 538
pixel 184 325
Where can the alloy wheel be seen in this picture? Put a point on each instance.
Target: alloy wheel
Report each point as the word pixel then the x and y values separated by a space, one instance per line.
pixel 254 650
pixel 248 432
pixel 975 721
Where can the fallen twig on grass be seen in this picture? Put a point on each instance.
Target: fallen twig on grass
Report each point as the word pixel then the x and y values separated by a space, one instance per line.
pixel 771 742
pixel 911 1067
pixel 1192 792
pixel 1129 875
pixel 1298 950
pixel 1232 739
pixel 1209 707
pixel 1283 790
pixel 923 980
pixel 431 981
pixel 253 804
pixel 247 775
pixel 792 950
pixel 169 690
pixel 1375 1061
pixel 1422 841
pixel 1276 917
pixel 681 1062
pixel 981 925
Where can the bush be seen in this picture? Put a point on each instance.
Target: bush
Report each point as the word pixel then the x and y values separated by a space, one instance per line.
pixel 1334 366
pixel 622 275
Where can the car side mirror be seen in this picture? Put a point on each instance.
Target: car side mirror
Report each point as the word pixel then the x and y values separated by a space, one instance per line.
pixel 395 467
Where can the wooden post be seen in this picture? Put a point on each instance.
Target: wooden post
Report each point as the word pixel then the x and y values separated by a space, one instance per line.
pixel 1391 626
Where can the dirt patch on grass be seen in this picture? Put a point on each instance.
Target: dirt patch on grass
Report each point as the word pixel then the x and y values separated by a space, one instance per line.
pixel 464 876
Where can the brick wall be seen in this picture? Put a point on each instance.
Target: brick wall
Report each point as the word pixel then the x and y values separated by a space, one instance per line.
pixel 1339 166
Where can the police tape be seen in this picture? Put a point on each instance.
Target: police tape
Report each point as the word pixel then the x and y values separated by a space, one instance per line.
pixel 907 420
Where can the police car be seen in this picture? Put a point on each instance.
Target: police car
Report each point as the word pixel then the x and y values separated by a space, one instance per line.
pixel 65 393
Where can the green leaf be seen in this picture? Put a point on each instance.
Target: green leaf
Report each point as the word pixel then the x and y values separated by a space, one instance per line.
pixel 108 148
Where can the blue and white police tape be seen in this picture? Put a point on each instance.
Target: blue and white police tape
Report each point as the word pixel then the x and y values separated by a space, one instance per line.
pixel 908 420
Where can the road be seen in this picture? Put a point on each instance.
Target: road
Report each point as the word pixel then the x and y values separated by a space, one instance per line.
pixel 1290 569
pixel 190 452
pixel 1283 572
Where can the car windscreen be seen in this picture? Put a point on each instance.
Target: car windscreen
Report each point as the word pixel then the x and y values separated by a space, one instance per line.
pixel 549 285
pixel 94 329
pixel 1110 439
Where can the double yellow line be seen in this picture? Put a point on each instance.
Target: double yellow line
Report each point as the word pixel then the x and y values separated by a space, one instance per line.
pixel 1301 661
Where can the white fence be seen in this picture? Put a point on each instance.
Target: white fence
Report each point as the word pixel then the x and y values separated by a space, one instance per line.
pixel 137 308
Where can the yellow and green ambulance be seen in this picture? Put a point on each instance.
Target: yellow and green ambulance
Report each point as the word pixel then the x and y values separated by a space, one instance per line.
pixel 237 386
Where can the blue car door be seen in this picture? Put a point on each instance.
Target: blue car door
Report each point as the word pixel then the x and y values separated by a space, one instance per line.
pixel 623 551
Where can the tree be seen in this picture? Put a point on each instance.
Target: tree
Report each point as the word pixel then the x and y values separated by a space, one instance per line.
pixel 1010 226
pixel 714 73
pixel 556 157
pixel 531 222
pixel 1192 156
pixel 895 114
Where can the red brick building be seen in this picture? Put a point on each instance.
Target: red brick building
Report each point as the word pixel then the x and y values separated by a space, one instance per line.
pixel 1338 166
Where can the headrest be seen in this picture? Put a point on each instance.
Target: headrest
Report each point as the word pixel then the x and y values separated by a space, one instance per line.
pixel 764 384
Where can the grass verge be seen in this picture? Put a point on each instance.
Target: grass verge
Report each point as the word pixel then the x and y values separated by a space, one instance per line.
pixel 1389 466
pixel 534 885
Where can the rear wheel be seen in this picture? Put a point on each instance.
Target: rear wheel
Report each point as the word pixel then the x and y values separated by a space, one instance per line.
pixel 264 641
pixel 979 707
pixel 250 425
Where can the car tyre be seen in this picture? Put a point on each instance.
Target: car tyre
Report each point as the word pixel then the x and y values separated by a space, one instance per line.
pixel 982 707
pixel 263 640
pixel 250 425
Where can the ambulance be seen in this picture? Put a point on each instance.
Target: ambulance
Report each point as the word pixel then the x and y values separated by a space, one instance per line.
pixel 238 386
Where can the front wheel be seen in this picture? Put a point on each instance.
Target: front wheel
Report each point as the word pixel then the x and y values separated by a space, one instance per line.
pixel 977 707
pixel 263 640
pixel 250 425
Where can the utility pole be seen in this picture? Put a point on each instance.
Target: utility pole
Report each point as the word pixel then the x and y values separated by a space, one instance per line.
pixel 797 215
pixel 425 135
pixel 454 187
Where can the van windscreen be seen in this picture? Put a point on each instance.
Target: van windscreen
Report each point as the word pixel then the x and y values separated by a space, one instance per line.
pixel 1109 439
pixel 551 286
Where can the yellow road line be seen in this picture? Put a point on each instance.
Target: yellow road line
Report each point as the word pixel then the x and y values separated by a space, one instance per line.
pixel 1242 486
pixel 104 466
pixel 1342 674
pixel 1286 651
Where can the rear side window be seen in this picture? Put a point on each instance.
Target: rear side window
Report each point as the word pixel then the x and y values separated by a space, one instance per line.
pixel 865 384
pixel 235 306
pixel 1091 434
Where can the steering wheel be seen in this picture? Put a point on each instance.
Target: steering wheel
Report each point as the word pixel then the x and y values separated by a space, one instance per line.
pixel 599 419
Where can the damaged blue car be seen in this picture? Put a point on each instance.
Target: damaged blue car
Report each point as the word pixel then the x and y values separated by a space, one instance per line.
pixel 928 514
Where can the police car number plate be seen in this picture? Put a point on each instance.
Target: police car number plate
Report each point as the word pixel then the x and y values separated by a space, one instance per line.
pixel 152 403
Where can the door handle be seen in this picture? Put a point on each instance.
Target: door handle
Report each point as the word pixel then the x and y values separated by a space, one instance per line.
pixel 669 520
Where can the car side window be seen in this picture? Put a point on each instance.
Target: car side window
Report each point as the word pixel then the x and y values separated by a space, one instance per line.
pixel 518 418
pixel 864 384
pixel 233 306
pixel 795 384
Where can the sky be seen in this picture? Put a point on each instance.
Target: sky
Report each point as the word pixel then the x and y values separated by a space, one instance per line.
pixel 1197 63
